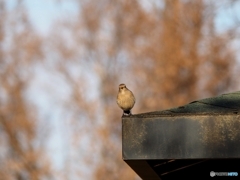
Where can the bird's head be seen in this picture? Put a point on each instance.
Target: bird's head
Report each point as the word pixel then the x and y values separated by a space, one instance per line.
pixel 122 87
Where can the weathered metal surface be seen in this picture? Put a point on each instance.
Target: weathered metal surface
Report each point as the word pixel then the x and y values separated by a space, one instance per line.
pixel 184 137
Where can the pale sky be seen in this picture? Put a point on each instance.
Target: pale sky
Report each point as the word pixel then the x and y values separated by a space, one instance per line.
pixel 44 12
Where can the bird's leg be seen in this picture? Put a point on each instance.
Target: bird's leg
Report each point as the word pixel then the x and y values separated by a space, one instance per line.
pixel 127 113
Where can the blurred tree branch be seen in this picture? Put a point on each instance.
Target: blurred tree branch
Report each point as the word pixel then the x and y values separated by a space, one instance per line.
pixel 21 159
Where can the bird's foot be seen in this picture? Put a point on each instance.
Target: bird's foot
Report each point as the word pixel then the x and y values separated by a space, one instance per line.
pixel 127 114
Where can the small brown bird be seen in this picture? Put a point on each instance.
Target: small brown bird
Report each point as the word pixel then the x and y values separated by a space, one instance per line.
pixel 125 99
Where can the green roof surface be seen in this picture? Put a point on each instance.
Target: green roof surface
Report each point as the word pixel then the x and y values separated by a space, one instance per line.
pixel 223 104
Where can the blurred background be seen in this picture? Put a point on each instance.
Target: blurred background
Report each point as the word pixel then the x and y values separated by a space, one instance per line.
pixel 61 63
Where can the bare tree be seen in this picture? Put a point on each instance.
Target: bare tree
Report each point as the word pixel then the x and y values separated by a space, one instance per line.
pixel 168 53
pixel 20 49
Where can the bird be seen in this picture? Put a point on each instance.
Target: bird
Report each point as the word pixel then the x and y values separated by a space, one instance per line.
pixel 125 99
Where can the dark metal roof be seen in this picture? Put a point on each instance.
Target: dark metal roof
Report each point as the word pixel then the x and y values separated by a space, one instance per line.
pixel 223 104
pixel 158 145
